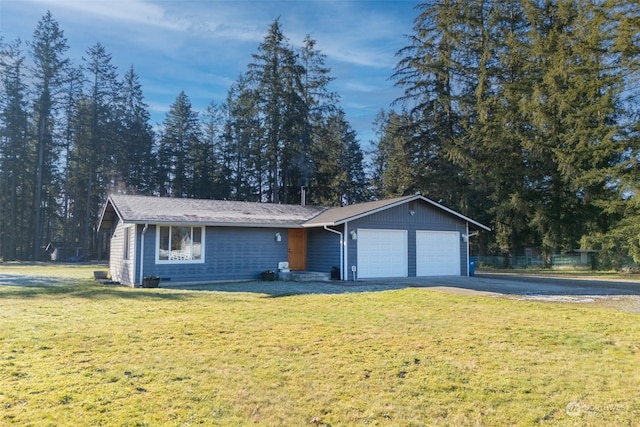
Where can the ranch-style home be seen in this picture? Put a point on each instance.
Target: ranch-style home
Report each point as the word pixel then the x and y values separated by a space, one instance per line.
pixel 190 240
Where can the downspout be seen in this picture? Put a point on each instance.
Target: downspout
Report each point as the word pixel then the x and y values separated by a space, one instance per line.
pixel 468 260
pixel 341 251
pixel 346 250
pixel 469 236
pixel 144 230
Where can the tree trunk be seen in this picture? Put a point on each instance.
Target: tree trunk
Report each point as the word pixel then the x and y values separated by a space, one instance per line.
pixel 37 199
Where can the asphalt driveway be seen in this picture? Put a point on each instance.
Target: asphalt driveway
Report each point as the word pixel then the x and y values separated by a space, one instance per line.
pixel 484 283
pixel 521 284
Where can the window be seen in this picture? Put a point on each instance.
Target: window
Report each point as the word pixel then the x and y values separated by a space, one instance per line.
pixel 126 244
pixel 179 244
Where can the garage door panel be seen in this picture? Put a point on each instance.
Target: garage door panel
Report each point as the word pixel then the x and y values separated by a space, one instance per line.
pixel 437 253
pixel 382 253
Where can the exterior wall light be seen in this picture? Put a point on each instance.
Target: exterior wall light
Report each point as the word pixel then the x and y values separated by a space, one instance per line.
pixel 354 235
pixel 278 237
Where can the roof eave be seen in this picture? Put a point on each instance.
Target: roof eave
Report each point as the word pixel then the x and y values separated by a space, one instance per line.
pixel 108 203
pixel 211 224
pixel 319 224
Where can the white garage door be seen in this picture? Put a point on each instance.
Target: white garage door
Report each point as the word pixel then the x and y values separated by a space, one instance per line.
pixel 382 253
pixel 437 253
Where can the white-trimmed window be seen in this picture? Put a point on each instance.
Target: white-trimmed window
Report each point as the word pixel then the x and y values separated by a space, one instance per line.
pixel 176 244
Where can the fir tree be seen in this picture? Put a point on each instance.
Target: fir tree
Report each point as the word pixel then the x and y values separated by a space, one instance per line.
pixel 179 147
pixel 49 63
pixel 14 152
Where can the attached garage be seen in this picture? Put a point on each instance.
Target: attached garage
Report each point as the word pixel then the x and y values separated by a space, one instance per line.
pixel 382 253
pixel 408 236
pixel 437 253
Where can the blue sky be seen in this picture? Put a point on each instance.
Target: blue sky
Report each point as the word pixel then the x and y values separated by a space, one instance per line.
pixel 202 46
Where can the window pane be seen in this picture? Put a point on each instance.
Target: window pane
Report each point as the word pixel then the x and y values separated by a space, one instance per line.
pixel 180 243
pixel 164 243
pixel 196 250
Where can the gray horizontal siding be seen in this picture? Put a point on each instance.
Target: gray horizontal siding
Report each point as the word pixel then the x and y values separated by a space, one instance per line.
pixel 230 254
pixel 323 250
pixel 116 248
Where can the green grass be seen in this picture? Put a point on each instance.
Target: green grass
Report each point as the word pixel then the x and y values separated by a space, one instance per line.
pixel 85 354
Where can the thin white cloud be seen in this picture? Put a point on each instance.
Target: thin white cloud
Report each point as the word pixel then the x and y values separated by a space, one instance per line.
pixel 357 32
pixel 202 46
pixel 130 11
pixel 361 86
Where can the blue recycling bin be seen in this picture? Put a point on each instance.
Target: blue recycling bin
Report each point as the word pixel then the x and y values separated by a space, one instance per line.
pixel 472 266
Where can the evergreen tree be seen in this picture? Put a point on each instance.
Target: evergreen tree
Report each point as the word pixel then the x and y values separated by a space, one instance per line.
pixel 518 106
pixel 394 168
pixel 275 76
pixel 320 104
pixel 216 176
pixel 618 245
pixel 572 108
pixel 73 96
pixel 14 153
pixel 47 50
pixel 243 143
pixel 431 70
pixel 97 150
pixel 134 158
pixel 339 165
pixel 179 148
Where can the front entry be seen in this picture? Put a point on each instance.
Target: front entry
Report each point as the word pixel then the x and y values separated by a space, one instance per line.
pixel 297 249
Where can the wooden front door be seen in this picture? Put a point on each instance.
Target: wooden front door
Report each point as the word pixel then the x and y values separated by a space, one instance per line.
pixel 297 249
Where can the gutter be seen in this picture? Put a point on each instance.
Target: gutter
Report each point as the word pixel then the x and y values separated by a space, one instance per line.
pixel 341 251
pixel 144 231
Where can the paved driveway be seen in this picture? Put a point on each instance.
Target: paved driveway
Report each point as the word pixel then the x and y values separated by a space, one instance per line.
pixel 519 284
pixel 485 283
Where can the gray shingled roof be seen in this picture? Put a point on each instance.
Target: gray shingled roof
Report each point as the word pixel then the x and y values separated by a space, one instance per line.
pixel 154 210
pixel 337 216
pixel 165 210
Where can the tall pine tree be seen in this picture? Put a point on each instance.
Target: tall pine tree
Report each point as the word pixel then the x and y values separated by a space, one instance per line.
pixel 15 158
pixel 48 50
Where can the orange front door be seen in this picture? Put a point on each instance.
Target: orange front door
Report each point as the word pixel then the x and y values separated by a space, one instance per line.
pixel 297 249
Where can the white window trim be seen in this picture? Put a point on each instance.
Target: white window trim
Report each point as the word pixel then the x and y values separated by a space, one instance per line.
pixel 176 261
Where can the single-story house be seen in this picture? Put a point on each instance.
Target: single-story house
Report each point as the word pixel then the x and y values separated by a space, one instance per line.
pixel 190 240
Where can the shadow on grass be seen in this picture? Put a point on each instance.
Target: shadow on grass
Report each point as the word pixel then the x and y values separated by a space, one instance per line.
pixel 84 289
pixel 284 289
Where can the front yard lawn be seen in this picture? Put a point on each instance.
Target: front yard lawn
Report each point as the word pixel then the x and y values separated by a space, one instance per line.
pixel 86 354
